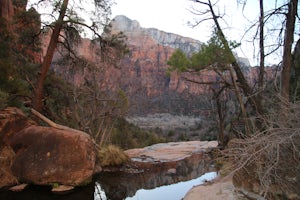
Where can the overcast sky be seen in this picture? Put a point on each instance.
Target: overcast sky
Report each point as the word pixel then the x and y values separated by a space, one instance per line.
pixel 173 16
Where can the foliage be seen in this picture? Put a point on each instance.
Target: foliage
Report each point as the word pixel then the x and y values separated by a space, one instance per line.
pixel 14 87
pixel 55 185
pixel 178 61
pixel 212 53
pixel 28 39
pixel 57 99
pixel 111 155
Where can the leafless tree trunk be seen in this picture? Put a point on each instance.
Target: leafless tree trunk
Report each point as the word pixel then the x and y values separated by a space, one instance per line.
pixel 287 48
pixel 38 99
pixel 261 48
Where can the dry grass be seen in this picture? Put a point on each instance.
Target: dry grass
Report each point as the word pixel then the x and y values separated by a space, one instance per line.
pixel 111 155
pixel 270 159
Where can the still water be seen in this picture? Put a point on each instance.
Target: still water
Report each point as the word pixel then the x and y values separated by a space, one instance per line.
pixel 96 191
pixel 174 191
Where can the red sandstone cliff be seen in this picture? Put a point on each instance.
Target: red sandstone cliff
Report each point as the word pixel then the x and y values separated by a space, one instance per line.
pixel 142 73
pixel 6 9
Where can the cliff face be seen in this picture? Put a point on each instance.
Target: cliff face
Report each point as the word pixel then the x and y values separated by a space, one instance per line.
pixel 132 28
pixel 142 73
pixel 15 17
pixel 6 9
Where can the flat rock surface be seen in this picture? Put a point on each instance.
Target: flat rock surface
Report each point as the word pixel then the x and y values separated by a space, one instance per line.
pixel 172 151
pixel 218 189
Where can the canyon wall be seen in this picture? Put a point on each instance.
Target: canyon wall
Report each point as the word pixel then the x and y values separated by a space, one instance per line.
pixel 141 74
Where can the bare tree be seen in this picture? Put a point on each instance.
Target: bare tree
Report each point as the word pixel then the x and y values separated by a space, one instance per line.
pixel 287 48
pixel 262 51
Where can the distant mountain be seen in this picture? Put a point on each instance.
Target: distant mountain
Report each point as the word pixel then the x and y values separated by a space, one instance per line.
pixel 132 28
pixel 142 73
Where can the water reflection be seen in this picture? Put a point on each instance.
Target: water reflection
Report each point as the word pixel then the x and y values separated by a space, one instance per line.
pixel 172 192
pixel 99 193
pixel 121 185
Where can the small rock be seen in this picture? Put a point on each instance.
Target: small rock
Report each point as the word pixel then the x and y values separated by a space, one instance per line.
pixel 18 188
pixel 62 189
pixel 171 171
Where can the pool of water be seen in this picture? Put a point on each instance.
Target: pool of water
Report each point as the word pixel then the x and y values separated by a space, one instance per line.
pixel 96 191
pixel 174 191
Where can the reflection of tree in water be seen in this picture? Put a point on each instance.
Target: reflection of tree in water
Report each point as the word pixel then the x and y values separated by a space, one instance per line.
pixel 99 193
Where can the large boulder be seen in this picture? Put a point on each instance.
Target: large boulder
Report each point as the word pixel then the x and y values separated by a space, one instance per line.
pixel 43 155
pixel 46 155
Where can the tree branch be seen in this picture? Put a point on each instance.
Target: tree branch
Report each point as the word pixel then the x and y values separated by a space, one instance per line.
pixel 53 124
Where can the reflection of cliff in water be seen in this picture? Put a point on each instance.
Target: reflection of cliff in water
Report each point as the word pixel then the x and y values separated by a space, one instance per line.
pixel 119 185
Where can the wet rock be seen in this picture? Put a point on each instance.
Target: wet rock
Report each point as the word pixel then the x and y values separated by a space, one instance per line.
pixel 47 155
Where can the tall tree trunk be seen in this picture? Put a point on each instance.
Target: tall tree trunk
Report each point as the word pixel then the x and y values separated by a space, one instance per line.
pixel 256 105
pixel 261 49
pixel 240 100
pixel 287 49
pixel 38 99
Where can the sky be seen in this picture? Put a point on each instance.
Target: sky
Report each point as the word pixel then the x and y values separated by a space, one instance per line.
pixel 174 16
